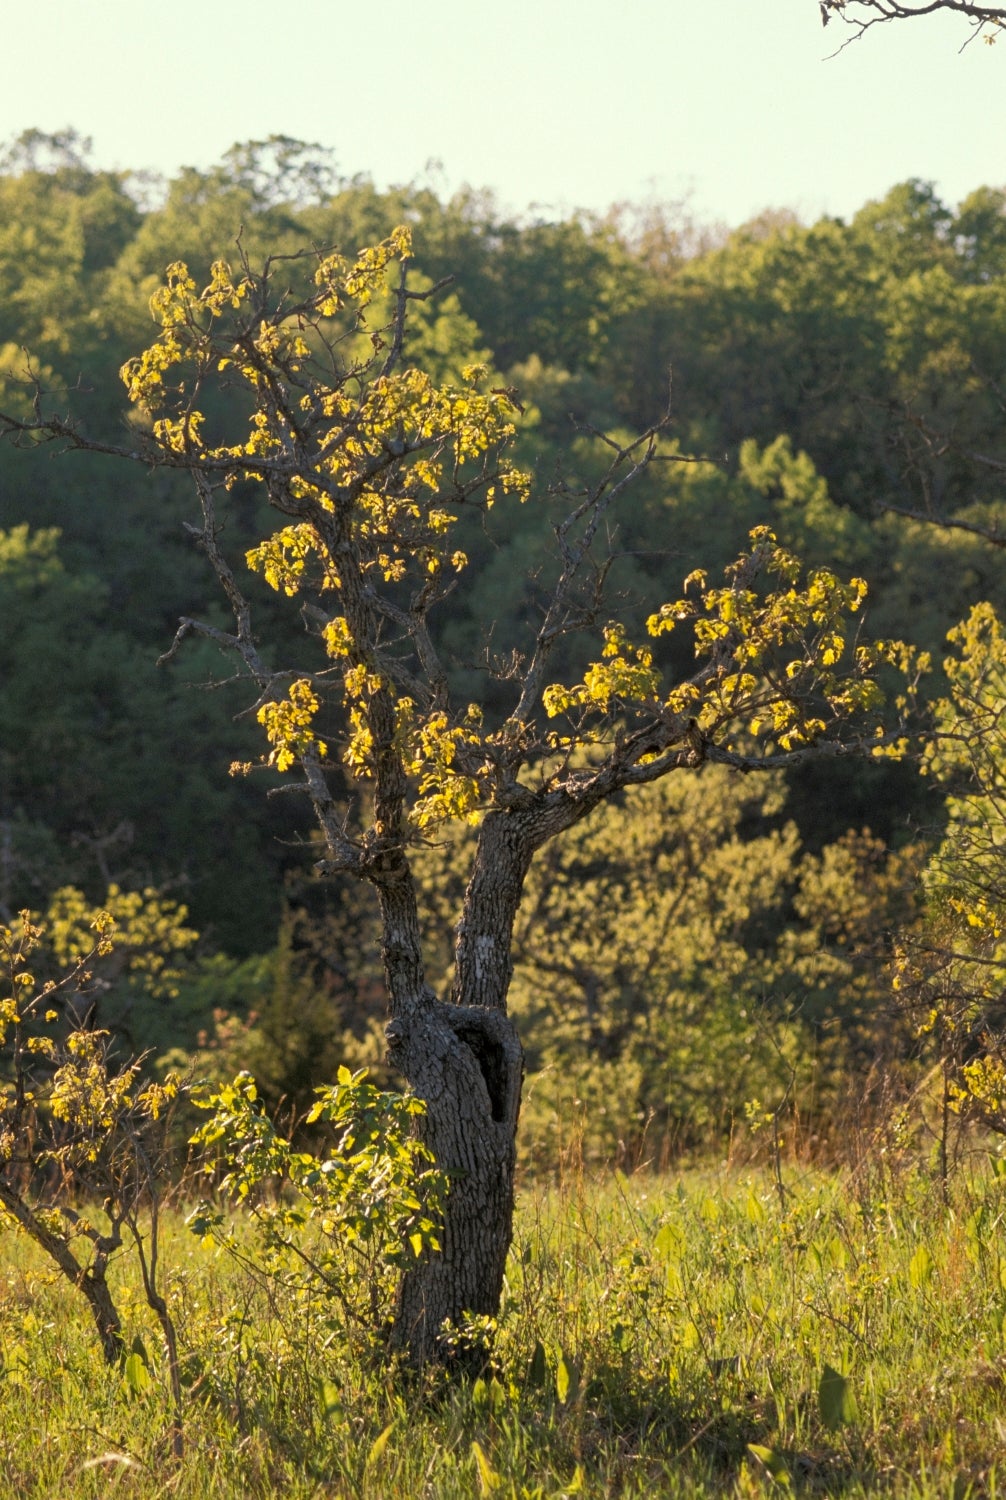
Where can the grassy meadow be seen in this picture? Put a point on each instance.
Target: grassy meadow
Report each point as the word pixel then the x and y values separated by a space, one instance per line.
pixel 729 1331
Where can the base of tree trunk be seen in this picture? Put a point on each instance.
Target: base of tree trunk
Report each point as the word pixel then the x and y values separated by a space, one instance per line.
pixel 466 1064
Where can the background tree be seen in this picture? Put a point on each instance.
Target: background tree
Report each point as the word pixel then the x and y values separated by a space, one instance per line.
pixel 837 400
pixel 74 1121
pixel 368 461
pixel 86 696
pixel 951 967
pixel 775 329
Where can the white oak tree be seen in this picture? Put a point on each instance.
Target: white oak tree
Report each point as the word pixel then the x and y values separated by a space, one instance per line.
pixel 368 464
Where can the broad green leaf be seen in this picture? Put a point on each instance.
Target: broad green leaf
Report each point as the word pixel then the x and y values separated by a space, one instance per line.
pixel 690 1336
pixel 562 1380
pixel 920 1267
pixel 378 1446
pixel 755 1209
pixel 331 1399
pixel 835 1400
pixel 136 1374
pixel 772 1461
pixel 489 1480
pixel 669 1241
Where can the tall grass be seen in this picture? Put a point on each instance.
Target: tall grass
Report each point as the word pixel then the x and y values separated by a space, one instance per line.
pixel 683 1335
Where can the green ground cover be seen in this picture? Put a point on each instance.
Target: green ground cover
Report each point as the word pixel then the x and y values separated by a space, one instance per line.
pixel 713 1332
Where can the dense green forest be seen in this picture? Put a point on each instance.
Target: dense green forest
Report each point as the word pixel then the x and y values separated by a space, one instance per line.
pixel 687 960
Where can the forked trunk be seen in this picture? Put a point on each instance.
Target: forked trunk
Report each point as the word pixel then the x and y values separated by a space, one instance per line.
pixel 464 1060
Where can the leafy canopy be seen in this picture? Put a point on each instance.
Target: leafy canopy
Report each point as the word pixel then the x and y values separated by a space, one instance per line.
pixel 950 972
pixel 370 462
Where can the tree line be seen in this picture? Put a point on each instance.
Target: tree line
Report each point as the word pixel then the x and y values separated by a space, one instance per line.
pixel 838 383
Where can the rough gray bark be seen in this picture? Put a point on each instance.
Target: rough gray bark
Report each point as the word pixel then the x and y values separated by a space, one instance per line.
pixel 465 1061
pixel 466 1065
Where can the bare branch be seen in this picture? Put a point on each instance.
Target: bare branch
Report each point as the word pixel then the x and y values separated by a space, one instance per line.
pixel 994 535
pixel 629 462
pixel 861 15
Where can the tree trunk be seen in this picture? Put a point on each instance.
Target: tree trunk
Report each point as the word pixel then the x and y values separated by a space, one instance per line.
pixel 466 1064
pixel 90 1280
pixel 106 1316
pixel 464 1060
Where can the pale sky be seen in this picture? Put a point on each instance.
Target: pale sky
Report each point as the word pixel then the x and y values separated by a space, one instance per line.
pixel 733 104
